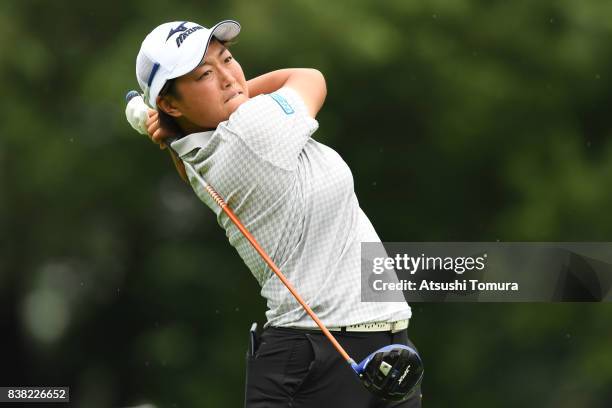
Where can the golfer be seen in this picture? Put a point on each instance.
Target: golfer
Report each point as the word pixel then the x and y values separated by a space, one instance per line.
pixel 252 141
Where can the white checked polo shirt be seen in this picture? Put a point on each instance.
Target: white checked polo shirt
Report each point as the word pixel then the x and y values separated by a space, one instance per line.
pixel 296 196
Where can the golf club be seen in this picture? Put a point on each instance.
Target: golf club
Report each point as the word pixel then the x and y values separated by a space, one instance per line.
pixel 390 372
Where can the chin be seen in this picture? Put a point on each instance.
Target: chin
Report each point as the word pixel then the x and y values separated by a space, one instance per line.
pixel 232 105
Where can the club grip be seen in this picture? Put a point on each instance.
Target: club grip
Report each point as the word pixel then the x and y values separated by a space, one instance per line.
pixel 130 95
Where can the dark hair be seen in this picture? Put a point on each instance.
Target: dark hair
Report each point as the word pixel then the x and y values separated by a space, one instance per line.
pixel 165 120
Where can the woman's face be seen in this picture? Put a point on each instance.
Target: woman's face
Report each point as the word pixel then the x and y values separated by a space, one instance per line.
pixel 211 92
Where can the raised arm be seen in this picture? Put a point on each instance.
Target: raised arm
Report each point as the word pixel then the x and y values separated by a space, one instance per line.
pixel 308 83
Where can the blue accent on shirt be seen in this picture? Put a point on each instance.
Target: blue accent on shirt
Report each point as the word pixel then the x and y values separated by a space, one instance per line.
pixel 282 102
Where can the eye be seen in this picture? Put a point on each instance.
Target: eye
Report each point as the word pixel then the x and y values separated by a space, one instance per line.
pixel 228 59
pixel 205 74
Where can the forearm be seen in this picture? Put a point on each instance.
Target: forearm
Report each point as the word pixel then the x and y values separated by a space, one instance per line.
pixel 308 83
pixel 273 81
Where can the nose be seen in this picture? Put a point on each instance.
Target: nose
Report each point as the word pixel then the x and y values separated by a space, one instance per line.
pixel 226 77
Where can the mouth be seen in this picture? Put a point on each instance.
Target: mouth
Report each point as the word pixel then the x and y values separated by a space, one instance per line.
pixel 232 96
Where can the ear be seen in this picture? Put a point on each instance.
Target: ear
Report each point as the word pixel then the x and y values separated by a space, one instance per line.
pixel 168 105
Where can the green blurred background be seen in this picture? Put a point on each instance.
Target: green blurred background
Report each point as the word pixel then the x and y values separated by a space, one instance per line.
pixel 461 120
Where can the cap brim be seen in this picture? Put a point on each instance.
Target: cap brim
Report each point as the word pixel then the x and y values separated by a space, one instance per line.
pixel 225 30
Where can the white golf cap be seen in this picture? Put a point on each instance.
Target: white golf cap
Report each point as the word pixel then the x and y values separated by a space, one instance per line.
pixel 174 49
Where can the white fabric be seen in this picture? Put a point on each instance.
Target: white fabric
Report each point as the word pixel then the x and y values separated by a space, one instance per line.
pixel 136 113
pixel 194 141
pixel 372 327
pixel 296 196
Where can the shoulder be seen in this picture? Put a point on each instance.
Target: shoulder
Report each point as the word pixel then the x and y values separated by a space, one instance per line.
pixel 278 109
pixel 275 126
pixel 285 100
pixel 289 100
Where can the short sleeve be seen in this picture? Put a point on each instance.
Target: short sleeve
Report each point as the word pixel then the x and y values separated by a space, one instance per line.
pixel 275 126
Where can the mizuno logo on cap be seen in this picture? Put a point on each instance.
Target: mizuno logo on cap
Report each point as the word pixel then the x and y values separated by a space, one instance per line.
pixel 180 28
pixel 181 38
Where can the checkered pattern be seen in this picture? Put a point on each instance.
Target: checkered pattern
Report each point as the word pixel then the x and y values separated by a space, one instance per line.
pixel 296 197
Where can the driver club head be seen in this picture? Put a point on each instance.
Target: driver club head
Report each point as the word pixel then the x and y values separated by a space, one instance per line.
pixel 391 372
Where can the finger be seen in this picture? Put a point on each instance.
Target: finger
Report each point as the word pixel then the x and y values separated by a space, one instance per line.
pixel 153 128
pixel 157 136
pixel 151 112
pixel 152 118
pixel 152 123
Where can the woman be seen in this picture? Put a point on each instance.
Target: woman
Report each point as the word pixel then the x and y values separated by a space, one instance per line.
pixel 251 140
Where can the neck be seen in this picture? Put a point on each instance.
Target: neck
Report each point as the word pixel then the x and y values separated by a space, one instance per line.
pixel 187 127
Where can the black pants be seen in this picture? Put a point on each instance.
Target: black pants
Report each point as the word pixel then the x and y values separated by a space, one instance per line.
pixel 301 369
